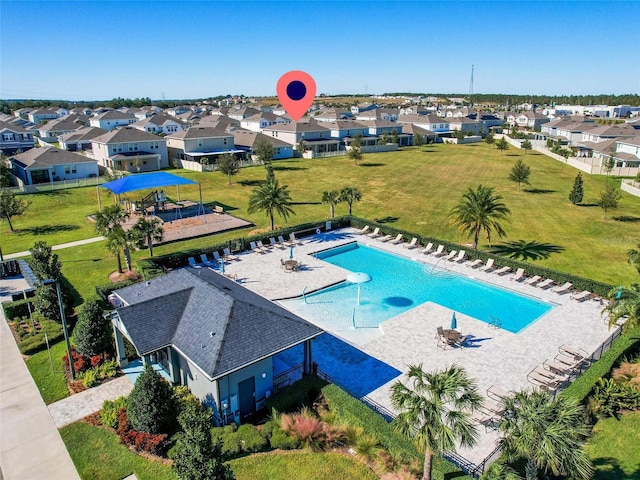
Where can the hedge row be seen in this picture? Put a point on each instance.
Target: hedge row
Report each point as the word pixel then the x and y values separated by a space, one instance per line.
pixel 624 345
pixel 17 309
pixel 580 283
pixel 293 397
pixel 149 269
pixel 105 290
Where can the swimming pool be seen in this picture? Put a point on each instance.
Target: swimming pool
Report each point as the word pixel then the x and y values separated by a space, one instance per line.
pixel 399 284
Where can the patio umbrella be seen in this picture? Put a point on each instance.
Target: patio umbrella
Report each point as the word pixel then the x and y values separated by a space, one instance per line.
pixel 454 321
pixel 291 252
pixel 358 278
pixel 222 265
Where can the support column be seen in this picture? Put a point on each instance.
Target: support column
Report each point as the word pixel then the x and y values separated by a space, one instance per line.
pixel 174 370
pixel 308 357
pixel 121 355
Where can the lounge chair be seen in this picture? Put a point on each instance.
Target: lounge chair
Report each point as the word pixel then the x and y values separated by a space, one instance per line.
pixel 363 230
pixel 460 257
pixel 386 238
pixel 564 288
pixel 411 244
pixel 193 263
pixel 554 377
pixel 497 393
pixel 557 367
pixel 375 233
pixel 216 257
pixel 397 240
pixel 274 244
pixel 582 296
pixel 569 362
pixel 519 275
pixel 542 382
pixel 228 255
pixel 256 249
pixel 439 332
pixel 487 266
pixel 282 241
pixel 502 271
pixel 474 263
pixel 262 246
pixel 493 407
pixel 487 419
pixel 292 240
pixel 205 260
pixel 451 254
pixel 427 250
pixel 532 280
pixel 545 284
pixel 576 353
pixel 440 251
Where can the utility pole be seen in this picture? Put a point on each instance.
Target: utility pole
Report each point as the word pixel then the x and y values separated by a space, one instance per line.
pixel 72 373
pixel 471 87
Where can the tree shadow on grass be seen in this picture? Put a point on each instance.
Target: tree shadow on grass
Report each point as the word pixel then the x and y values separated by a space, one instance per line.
pixel 538 190
pixel 627 218
pixel 372 164
pixel 211 205
pixel 609 469
pixel 589 205
pixel 387 219
pixel 251 183
pixel 287 167
pixel 55 193
pixel 523 250
pixel 306 203
pixel 47 229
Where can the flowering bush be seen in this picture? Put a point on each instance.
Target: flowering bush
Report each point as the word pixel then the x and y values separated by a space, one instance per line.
pixel 155 444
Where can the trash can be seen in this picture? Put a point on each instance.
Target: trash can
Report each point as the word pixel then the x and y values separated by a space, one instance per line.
pixel 327 226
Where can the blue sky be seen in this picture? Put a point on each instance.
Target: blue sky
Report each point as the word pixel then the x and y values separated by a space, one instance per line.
pixel 100 50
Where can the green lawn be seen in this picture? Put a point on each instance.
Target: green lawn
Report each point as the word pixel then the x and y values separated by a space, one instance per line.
pixel 614 448
pixel 301 466
pixel 52 386
pixel 98 455
pixel 410 189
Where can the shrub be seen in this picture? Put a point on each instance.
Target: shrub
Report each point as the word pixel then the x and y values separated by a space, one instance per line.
pixel 150 404
pixel 309 430
pixel 293 397
pixel 80 362
pixel 105 290
pixel 92 334
pixel 109 411
pixel 367 446
pixel 90 378
pixel 155 444
pixel 250 438
pixel 19 308
pixel 281 440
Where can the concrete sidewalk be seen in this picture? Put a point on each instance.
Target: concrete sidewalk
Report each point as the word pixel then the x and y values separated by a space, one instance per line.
pixel 30 444
pixel 78 406
pixel 55 247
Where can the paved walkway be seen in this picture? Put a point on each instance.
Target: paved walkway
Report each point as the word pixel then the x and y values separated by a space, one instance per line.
pixel 56 247
pixel 78 406
pixel 30 445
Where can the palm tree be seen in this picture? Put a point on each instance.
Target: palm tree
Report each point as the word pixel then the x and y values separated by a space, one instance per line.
pixel 332 197
pixel 435 410
pixel 350 195
pixel 480 210
pixel 111 218
pixel 115 242
pixel 500 471
pixel 634 257
pixel 271 198
pixel 549 434
pixel 624 302
pixel 147 231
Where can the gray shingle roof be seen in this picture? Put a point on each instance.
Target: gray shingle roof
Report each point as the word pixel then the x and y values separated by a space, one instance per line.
pixel 12 127
pixel 247 138
pixel 44 157
pixel 215 322
pixel 127 134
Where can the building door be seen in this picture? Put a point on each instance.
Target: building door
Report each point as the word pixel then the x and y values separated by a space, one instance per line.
pixel 247 394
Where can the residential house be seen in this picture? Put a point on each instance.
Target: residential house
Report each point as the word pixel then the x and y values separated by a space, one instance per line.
pixel 81 111
pixel 316 138
pixel 160 124
pixel 410 130
pixel 432 123
pixel 50 131
pixel 332 114
pixel 346 130
pixel 628 150
pixel 246 140
pixel 466 124
pixel 363 107
pixel 198 143
pixel 461 112
pixel 23 112
pixel 386 114
pixel 14 138
pixel 531 120
pixel 213 335
pixel 243 112
pixel 42 115
pixel 262 120
pixel 599 133
pixel 51 164
pixel 80 139
pixel 112 119
pixel 375 128
pixel 129 149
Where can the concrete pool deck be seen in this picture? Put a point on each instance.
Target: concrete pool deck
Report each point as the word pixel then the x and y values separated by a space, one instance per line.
pixel 492 357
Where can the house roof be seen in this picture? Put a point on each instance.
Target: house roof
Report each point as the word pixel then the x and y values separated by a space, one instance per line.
pixel 159 119
pixel 45 157
pixel 413 129
pixel 216 323
pixel 115 115
pixel 247 138
pixel 86 133
pixel 342 124
pixel 68 122
pixel 201 132
pixel 13 127
pixel 631 141
pixel 127 134
pixel 296 127
pixel 611 130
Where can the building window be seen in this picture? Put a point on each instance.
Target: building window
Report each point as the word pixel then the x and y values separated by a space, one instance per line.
pixel 70 169
pixel 225 141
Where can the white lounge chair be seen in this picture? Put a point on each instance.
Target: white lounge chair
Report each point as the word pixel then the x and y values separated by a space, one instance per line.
pixel 363 230
pixel 292 240
pixel 497 393
pixel 502 271
pixel 474 263
pixel 576 353
pixel 542 382
pixel 451 254
pixel 411 244
pixel 397 240
pixel 193 263
pixel 205 260
pixel 567 360
pixel 582 296
pixel 518 275
pixel 440 251
pixel 375 233
pixel 274 244
pixel 532 280
pixel 427 250
pixel 228 255
pixel 460 257
pixel 557 367
pixel 564 288
pixel 282 241
pixel 487 266
pixel 256 249
pixel 545 284
pixel 386 238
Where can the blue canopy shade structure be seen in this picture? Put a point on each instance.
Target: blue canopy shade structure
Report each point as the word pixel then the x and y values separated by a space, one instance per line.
pixel 140 181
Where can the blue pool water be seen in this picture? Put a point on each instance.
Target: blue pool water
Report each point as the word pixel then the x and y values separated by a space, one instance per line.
pixel 399 284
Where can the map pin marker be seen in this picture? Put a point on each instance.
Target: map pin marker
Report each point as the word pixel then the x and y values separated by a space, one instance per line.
pixel 296 91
